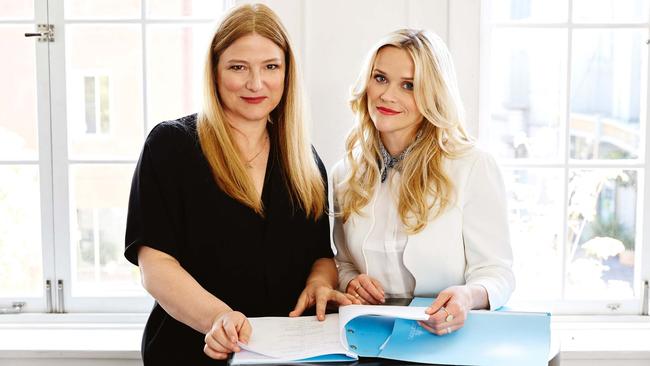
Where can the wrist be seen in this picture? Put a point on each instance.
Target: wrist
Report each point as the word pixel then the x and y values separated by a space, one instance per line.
pixel 219 312
pixel 477 296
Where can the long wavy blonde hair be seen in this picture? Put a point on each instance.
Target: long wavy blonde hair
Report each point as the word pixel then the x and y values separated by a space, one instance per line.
pixel 302 176
pixel 425 190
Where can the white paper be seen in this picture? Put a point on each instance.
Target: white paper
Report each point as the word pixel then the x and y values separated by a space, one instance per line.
pixel 285 339
pixel 295 338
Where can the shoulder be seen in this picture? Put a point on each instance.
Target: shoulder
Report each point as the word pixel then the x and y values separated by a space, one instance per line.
pixel 179 131
pixel 339 170
pixel 470 159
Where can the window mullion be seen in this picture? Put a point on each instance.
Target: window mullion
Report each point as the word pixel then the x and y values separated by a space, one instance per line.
pixel 566 152
pixel 60 169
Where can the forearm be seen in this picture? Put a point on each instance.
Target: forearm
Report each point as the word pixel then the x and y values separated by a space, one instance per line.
pixel 177 291
pixel 324 272
pixel 480 298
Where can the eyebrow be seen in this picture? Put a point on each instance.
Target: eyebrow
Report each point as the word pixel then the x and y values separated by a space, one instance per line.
pixel 237 61
pixel 382 72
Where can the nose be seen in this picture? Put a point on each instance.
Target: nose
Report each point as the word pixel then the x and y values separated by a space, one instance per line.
pixel 254 82
pixel 388 94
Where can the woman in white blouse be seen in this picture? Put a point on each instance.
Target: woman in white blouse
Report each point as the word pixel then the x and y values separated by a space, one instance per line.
pixel 420 211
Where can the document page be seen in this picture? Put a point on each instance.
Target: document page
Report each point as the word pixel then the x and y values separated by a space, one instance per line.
pixel 295 338
pixel 347 313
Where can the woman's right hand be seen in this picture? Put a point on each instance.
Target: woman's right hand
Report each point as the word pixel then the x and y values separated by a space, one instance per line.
pixel 228 328
pixel 366 289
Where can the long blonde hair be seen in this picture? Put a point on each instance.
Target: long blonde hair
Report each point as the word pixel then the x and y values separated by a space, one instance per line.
pixel 289 133
pixel 425 190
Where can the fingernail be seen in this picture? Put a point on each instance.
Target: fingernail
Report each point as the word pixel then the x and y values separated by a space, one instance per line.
pixel 383 301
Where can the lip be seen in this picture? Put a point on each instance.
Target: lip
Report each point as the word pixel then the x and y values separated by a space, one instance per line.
pixel 387 111
pixel 253 100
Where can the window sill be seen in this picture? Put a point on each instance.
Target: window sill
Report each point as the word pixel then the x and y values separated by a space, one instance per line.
pixel 118 336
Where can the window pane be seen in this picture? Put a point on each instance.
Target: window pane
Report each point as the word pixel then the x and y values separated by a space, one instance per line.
pixel 209 9
pixel 610 11
pixel 528 83
pixel 175 56
pixel 602 233
pixel 535 215
pixel 12 9
pixel 606 93
pixel 102 9
pixel 18 106
pixel 111 55
pixel 21 264
pixel 530 10
pixel 99 198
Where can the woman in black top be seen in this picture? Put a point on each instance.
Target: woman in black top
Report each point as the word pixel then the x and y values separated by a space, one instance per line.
pixel 227 207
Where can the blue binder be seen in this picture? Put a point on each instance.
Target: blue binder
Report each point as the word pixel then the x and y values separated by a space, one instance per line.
pixel 488 338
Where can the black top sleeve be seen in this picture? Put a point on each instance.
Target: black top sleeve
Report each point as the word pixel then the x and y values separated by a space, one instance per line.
pixel 151 205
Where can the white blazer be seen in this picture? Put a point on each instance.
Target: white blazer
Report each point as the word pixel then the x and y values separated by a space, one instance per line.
pixel 468 243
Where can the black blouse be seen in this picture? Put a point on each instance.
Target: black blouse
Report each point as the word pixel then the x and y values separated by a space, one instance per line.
pixel 256 265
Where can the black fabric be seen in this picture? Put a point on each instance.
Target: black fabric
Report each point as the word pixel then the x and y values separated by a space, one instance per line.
pixel 257 265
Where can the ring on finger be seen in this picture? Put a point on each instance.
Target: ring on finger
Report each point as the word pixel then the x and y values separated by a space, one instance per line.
pixel 449 316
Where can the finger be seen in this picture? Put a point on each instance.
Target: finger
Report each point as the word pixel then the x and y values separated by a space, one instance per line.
pixel 353 299
pixel 365 295
pixel 245 332
pixel 212 343
pixel 427 327
pixel 441 327
pixel 352 285
pixel 447 330
pixel 231 332
pixel 378 286
pixel 369 287
pixel 321 304
pixel 214 354
pixel 439 302
pixel 342 299
pixel 301 305
pixel 224 340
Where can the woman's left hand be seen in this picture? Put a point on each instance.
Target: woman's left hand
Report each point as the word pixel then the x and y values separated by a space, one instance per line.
pixel 319 294
pixel 449 311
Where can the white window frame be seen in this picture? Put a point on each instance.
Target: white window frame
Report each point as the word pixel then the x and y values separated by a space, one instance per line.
pixel 54 163
pixel 642 260
pixel 43 162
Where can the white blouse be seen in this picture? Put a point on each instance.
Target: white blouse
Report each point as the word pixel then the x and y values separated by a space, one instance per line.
pixel 468 243
pixel 386 242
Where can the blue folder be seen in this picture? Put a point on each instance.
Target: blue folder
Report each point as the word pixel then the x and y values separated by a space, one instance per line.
pixel 488 338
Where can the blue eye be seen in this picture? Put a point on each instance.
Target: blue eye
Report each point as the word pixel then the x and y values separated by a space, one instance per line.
pixel 407 85
pixel 379 78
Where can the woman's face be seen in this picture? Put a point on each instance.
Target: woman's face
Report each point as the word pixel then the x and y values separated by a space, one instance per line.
pixel 391 103
pixel 250 78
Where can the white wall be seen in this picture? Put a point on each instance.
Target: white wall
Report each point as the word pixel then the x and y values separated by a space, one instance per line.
pixel 332 38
